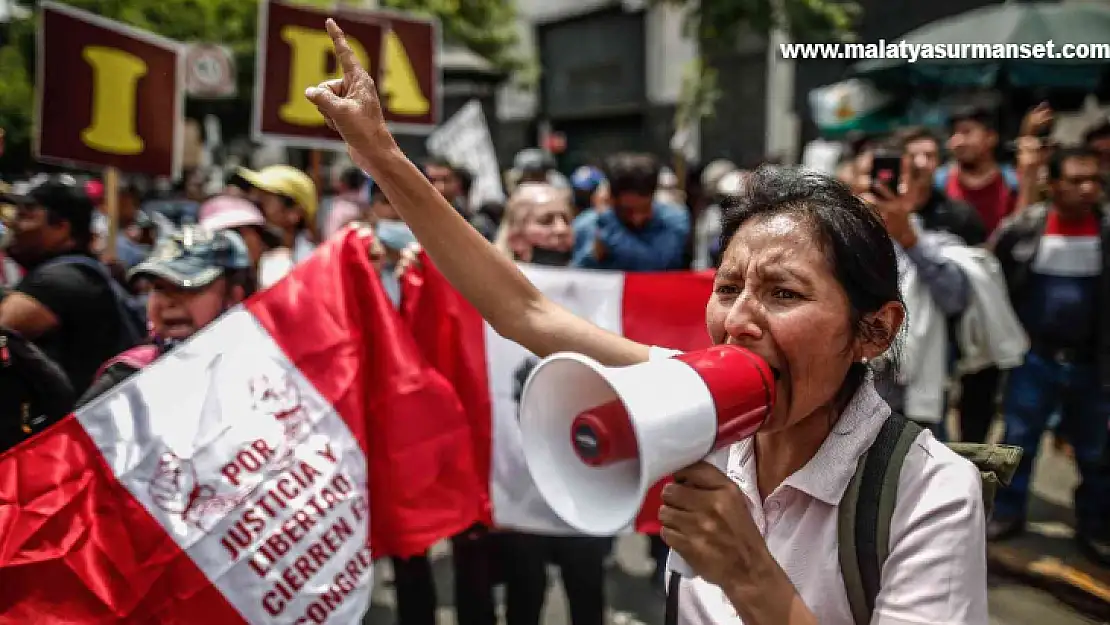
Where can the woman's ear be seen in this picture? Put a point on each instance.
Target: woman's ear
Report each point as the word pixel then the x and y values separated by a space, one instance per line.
pixel 879 330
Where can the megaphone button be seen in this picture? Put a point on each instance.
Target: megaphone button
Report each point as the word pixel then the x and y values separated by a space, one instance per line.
pixel 603 435
pixel 585 441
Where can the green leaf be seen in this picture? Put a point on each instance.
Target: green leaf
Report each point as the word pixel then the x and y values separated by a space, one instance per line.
pixel 718 25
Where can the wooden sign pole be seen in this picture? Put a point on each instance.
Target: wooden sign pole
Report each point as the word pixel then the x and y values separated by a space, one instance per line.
pixel 111 209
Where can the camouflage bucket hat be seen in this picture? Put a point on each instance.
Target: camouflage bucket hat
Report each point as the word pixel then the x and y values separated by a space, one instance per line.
pixel 194 258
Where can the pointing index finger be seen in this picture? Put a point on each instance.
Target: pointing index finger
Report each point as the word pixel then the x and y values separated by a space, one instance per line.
pixel 343 51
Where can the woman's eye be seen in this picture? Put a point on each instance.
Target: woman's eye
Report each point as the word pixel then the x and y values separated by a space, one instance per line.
pixel 785 294
pixel 726 289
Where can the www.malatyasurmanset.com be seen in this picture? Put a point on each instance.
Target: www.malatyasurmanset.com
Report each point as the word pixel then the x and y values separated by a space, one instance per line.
pixel 912 52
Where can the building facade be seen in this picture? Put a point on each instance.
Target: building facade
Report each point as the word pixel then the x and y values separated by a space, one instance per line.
pixel 612 72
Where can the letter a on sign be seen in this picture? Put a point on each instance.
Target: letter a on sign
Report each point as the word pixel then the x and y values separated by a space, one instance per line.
pixel 295 52
pixel 108 94
pixel 399 84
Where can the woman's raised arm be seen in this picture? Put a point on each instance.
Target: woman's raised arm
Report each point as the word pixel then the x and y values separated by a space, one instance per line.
pixel 492 283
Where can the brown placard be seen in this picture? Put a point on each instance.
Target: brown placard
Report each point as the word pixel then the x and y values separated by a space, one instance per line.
pixel 107 94
pixel 412 93
pixel 413 42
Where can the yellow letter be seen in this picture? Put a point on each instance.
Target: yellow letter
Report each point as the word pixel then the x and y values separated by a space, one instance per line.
pixel 309 50
pixel 399 84
pixel 115 81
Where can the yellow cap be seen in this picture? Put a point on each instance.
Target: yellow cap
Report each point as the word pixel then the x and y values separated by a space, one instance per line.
pixel 287 181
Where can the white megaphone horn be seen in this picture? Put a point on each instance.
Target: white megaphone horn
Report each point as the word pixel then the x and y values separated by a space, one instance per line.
pixel 596 438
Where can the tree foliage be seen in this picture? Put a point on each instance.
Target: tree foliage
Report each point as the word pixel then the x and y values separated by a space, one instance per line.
pixel 485 26
pixel 718 25
pixel 488 27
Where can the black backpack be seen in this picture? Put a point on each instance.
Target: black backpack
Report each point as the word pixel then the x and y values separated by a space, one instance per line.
pixel 132 309
pixel 34 391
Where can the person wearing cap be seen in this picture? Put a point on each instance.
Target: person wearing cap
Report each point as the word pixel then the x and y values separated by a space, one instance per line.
pixel 226 212
pixel 288 199
pixel 196 276
pixel 66 303
pixel 635 233
pixel 585 182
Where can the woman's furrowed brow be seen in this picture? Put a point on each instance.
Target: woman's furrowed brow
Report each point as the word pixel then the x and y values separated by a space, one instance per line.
pixel 728 274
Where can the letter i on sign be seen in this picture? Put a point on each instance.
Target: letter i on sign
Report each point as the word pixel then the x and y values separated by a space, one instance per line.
pixel 115 81
pixel 309 50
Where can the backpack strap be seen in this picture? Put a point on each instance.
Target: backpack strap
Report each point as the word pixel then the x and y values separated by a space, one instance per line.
pixel 865 512
pixel 136 358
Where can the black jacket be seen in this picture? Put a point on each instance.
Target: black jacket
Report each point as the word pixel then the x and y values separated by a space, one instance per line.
pixel 943 214
pixel 34 391
pixel 1015 243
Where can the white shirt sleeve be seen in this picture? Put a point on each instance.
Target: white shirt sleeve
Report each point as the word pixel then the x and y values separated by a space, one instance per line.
pixel 936 572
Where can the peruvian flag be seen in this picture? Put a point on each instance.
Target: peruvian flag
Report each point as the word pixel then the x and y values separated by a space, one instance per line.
pixel 250 475
pixel 661 309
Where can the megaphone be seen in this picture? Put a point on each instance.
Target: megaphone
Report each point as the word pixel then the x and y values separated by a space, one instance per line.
pixel 596 438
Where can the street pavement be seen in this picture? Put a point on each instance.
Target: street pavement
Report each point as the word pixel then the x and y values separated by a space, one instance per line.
pixel 633 602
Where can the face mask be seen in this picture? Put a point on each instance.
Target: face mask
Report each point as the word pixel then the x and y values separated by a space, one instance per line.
pixel 554 258
pixel 394 234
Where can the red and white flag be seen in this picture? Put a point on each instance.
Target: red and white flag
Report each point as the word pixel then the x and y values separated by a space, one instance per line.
pixel 229 481
pixel 663 309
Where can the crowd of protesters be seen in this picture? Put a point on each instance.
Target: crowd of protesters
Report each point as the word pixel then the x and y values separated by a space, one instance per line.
pixel 1003 270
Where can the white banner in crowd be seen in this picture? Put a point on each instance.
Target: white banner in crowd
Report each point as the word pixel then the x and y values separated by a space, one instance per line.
pixel 465 141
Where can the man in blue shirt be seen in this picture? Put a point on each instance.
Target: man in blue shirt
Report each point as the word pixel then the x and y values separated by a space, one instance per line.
pixel 635 233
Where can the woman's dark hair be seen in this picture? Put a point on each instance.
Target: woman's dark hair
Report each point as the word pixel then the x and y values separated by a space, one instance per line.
pixel 849 231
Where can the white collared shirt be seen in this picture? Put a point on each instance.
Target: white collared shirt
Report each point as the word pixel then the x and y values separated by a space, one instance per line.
pixel 936 572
